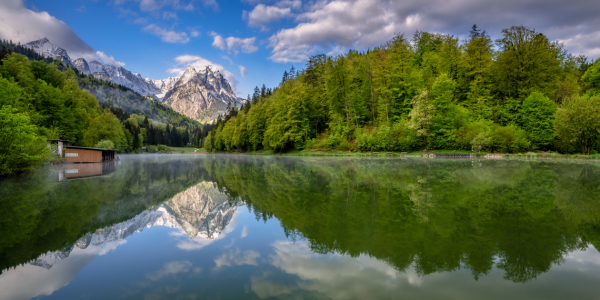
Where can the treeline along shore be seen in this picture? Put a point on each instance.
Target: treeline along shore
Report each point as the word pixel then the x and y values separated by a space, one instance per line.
pixel 43 98
pixel 519 93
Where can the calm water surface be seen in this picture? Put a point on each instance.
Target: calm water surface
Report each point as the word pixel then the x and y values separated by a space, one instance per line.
pixel 245 227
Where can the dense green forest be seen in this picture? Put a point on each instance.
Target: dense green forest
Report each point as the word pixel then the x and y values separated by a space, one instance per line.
pixel 42 99
pixel 521 92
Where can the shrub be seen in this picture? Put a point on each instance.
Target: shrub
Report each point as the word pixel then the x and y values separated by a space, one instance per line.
pixel 468 133
pixel 152 149
pixel 509 139
pixel 483 140
pixel 106 144
pixel 20 147
pixel 163 149
pixel 395 137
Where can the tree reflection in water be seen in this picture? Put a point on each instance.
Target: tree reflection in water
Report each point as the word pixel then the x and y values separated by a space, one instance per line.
pixel 435 216
pixel 439 216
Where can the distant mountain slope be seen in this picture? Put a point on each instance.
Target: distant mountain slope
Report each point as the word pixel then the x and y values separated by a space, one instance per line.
pixel 125 78
pixel 119 96
pixel 47 49
pixel 201 96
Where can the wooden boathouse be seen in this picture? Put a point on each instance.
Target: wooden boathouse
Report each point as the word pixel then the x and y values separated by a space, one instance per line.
pixel 75 154
pixel 57 146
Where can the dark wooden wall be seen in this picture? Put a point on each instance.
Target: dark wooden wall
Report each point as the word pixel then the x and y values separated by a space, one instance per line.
pixel 83 155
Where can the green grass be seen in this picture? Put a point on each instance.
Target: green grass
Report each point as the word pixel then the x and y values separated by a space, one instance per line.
pixel 313 152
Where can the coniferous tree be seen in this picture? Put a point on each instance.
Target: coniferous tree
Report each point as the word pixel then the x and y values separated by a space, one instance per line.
pixel 285 77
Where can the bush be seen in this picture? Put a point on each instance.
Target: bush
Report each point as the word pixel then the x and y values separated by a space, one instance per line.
pixel 152 149
pixel 395 137
pixel 20 147
pixel 106 144
pixel 509 139
pixel 163 149
pixel 483 140
pixel 469 132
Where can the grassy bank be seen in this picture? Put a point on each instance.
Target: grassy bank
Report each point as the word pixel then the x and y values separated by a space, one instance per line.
pixel 416 153
pixel 186 149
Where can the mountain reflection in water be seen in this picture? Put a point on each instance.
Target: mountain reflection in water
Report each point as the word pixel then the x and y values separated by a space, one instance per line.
pixel 327 228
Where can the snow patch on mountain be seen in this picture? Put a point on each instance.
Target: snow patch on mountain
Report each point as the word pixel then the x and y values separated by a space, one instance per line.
pixel 82 66
pixel 47 49
pixel 124 77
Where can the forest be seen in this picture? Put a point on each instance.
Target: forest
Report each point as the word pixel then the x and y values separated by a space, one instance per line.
pixel 42 99
pixel 521 92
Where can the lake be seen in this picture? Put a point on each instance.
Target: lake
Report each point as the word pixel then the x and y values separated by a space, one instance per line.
pixel 260 227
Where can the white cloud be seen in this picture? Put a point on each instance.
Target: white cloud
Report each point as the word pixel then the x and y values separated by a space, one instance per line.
pixel 211 3
pixel 360 24
pixel 237 257
pixel 245 229
pixel 332 276
pixel 30 281
pixel 109 59
pixel 228 59
pixel 81 9
pixel 20 24
pixel 262 15
pixel 194 33
pixel 586 44
pixel 169 36
pixel 168 15
pixel 233 44
pixel 170 268
pixel 152 6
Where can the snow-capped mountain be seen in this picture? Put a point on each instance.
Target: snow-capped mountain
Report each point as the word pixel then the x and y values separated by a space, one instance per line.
pixel 124 77
pixel 201 95
pixel 47 49
pixel 164 85
pixel 200 211
pixel 82 66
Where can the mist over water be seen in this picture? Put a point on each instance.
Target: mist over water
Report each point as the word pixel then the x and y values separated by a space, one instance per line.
pixel 258 227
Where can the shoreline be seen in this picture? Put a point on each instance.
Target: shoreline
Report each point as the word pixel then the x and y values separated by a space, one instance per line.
pixel 416 154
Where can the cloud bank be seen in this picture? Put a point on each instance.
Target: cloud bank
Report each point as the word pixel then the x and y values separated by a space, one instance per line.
pixel 324 25
pixel 22 25
pixel 233 44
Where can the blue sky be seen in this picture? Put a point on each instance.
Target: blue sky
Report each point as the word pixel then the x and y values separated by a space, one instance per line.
pixel 255 41
pixel 131 34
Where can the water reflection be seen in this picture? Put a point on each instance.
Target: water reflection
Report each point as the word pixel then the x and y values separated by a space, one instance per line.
pixel 200 213
pixel 81 171
pixel 261 227
pixel 438 216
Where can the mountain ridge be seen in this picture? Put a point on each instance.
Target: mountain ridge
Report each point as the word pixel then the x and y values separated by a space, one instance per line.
pixel 203 100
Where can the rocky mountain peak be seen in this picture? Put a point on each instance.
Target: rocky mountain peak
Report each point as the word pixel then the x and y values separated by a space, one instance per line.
pixel 44 47
pixel 82 66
